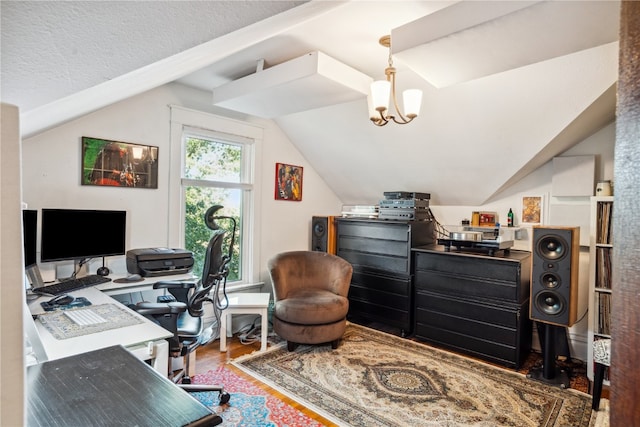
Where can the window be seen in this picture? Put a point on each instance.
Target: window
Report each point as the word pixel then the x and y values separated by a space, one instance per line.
pixel 217 168
pixel 213 174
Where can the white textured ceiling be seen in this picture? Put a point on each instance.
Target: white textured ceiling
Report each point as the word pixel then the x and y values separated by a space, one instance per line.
pixel 531 105
pixel 51 49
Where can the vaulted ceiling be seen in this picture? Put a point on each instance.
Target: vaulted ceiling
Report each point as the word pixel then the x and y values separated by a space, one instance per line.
pixel 506 85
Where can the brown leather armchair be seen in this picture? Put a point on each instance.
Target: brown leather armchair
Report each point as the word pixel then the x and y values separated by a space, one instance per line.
pixel 310 293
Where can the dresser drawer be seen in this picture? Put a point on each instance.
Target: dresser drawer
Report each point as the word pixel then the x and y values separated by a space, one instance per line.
pixel 379 262
pixel 400 286
pixel 497 269
pixel 382 313
pixel 386 291
pixel 469 343
pixel 373 230
pixel 467 311
pixel 464 286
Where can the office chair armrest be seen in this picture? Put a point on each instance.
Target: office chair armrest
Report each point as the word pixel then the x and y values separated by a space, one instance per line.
pixel 154 308
pixel 173 284
pixel 165 315
pixel 179 290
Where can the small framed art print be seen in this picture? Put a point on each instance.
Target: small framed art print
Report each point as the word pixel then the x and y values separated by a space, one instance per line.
pixel 532 209
pixel 288 184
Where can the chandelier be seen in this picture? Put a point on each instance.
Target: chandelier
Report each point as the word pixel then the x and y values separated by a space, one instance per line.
pixel 384 90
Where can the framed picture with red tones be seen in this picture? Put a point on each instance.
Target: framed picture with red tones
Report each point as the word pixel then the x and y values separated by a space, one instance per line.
pixel 288 182
pixel 118 164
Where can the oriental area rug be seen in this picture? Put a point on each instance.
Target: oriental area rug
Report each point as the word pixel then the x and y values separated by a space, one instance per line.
pixel 378 379
pixel 249 405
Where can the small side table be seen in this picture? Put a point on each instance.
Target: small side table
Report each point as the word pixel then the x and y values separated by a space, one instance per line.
pixel 245 303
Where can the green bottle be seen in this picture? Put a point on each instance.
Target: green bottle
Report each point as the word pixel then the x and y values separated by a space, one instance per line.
pixel 510 218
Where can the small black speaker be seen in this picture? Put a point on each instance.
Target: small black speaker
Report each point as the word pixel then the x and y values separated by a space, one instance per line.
pixel 323 234
pixel 554 275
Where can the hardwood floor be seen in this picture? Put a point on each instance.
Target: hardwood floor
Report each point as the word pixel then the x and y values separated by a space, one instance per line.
pixel 210 357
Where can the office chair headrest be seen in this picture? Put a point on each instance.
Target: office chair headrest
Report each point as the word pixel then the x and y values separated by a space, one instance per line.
pixel 209 217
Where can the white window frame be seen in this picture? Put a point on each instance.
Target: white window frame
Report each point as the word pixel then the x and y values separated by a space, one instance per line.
pixel 192 122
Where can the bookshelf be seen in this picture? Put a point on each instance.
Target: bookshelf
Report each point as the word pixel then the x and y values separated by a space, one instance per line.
pixel 600 286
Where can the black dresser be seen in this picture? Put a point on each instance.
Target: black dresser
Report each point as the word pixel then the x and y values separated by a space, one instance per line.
pixel 474 303
pixel 381 291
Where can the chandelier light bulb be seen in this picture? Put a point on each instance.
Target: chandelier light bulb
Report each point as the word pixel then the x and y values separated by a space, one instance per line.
pixel 412 98
pixel 380 91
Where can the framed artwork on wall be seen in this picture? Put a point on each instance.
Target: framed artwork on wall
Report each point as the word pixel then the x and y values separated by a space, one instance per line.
pixel 532 210
pixel 288 184
pixel 118 164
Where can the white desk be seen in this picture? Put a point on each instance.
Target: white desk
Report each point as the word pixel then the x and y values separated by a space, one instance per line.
pixel 145 340
pixel 245 303
pixel 113 288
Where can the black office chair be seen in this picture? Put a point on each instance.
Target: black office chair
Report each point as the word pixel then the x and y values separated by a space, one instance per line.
pixel 181 311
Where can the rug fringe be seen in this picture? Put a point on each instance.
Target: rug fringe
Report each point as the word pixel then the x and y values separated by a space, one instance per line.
pixel 254 353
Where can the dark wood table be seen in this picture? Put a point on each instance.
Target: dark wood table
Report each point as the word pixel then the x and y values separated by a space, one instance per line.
pixel 108 387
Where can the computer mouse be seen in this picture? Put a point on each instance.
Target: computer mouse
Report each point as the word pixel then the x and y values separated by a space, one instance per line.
pixel 134 278
pixel 63 299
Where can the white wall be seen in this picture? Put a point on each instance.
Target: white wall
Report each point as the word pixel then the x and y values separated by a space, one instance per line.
pixel 52 162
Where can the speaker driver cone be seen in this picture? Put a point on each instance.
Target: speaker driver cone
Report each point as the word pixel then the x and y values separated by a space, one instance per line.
pixel 318 229
pixel 550 303
pixel 552 247
pixel 550 280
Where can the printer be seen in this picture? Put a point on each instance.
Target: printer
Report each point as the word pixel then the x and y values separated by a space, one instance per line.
pixel 152 262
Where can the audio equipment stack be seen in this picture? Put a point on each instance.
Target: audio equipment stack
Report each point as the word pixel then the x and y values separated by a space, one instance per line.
pixel 405 205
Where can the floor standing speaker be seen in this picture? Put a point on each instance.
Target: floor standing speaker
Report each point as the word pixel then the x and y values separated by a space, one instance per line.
pixel 554 275
pixel 323 234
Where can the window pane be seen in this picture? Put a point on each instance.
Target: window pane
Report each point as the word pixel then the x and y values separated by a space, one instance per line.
pixel 212 160
pixel 197 234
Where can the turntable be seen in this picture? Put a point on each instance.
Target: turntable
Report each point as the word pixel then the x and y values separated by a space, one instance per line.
pixel 484 239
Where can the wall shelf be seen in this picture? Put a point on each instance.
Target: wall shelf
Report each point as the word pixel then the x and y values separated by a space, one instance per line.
pixel 601 287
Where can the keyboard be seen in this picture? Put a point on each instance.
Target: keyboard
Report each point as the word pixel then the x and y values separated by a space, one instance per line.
pixel 84 317
pixel 72 285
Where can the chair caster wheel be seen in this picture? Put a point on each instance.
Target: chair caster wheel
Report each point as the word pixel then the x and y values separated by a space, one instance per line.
pixel 224 397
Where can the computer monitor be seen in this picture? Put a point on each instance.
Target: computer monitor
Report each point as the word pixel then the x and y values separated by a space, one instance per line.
pixel 29 236
pixel 29 245
pixel 76 234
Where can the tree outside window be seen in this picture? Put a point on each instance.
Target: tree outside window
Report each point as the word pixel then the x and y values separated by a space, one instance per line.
pixel 213 175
